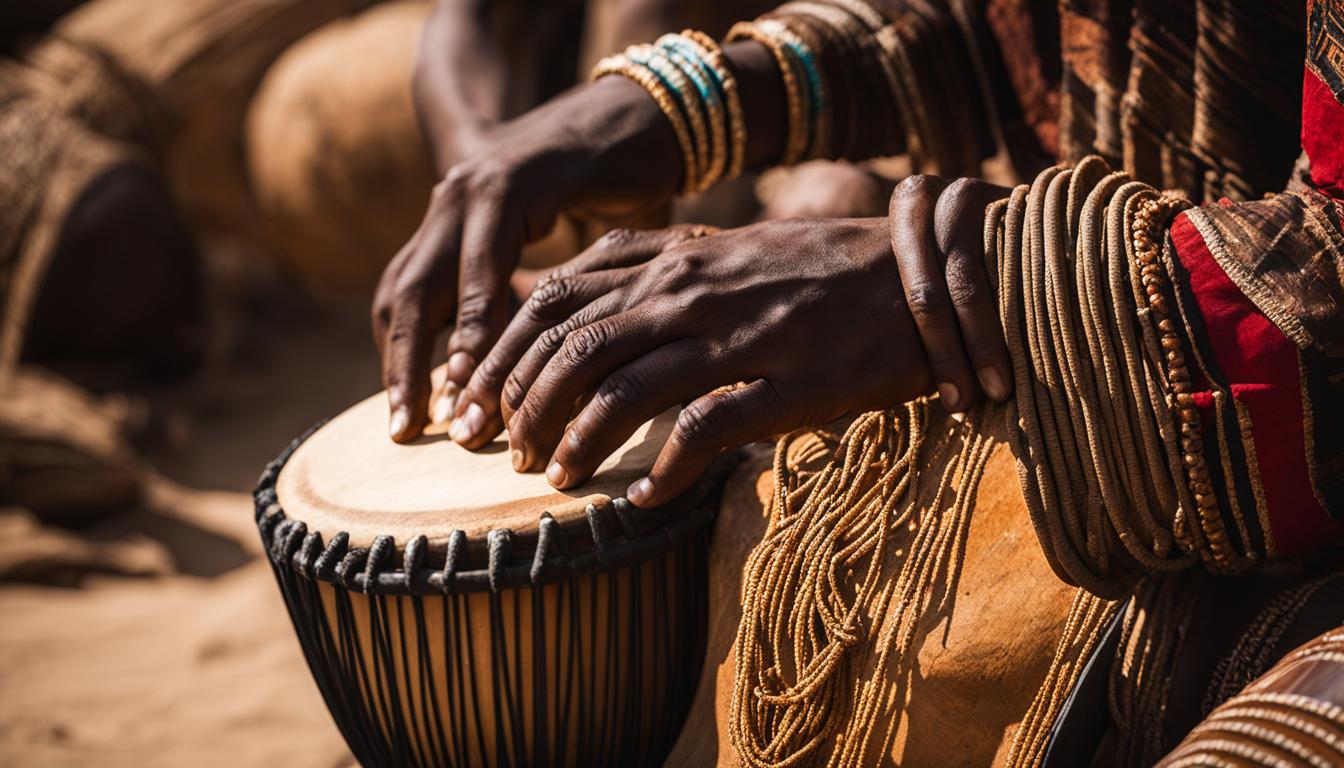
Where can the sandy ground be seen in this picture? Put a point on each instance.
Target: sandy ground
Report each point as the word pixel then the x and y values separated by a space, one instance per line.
pixel 195 664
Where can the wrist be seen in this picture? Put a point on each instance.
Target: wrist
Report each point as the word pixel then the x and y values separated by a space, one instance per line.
pixel 764 105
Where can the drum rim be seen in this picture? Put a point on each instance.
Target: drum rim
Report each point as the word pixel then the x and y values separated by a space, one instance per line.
pixel 619 535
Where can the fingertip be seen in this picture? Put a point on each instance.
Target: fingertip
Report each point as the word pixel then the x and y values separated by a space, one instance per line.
pixel 640 492
pixel 445 403
pixel 468 426
pixel 399 424
pixel 556 475
pixel 994 383
pixel 950 394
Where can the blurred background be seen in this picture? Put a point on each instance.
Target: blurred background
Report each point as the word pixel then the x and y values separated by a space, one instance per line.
pixel 196 200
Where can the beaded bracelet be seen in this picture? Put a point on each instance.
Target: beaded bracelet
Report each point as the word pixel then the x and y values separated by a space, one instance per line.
pixel 712 55
pixel 826 51
pixel 675 47
pixel 809 77
pixel 680 87
pixel 796 143
pixel 1153 282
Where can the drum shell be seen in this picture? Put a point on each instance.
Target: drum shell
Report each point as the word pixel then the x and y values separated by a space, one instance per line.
pixel 597 670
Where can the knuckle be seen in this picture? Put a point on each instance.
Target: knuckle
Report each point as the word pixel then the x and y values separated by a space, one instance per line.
pixel 918 185
pixel 473 309
pixel 456 180
pixel 697 424
pixel 551 339
pixel 550 293
pixel 620 390
pixel 513 393
pixel 961 187
pixel 490 370
pixel 925 299
pixel 583 345
pixel 984 346
pixel 963 288
pixel 618 237
pixel 381 314
pixel 577 441
pixel 942 360
pixel 772 401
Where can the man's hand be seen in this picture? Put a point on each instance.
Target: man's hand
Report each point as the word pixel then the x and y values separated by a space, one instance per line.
pixel 604 147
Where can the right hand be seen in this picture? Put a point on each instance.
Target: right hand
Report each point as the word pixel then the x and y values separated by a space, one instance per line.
pixel 604 148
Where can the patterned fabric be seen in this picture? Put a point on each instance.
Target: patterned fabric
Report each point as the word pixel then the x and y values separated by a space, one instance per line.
pixel 1268 277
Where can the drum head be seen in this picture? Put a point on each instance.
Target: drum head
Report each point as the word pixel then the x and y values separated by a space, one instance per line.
pixel 349 476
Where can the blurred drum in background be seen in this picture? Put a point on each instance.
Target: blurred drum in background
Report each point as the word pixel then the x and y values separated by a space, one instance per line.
pixel 454 612
pixel 96 268
pixel 200 63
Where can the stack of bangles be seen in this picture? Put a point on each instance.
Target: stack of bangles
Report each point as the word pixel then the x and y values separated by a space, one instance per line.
pixel 687 76
pixel 840 81
pixel 1128 442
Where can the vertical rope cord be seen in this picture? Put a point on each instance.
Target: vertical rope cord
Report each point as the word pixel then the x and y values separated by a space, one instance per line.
pixel 857 559
pixel 1088 617
pixel 1153 630
pixel 403 696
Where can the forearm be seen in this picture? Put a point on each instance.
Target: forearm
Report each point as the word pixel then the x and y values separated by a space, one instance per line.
pixel 480 63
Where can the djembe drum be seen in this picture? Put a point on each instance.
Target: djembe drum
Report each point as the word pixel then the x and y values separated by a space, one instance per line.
pixel 454 612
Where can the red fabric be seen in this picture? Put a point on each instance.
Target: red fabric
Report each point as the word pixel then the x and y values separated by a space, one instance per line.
pixel 1323 134
pixel 1261 366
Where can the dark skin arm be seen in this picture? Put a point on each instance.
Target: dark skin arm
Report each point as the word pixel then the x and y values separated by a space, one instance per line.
pixel 603 148
pixel 478 63
pixel 758 331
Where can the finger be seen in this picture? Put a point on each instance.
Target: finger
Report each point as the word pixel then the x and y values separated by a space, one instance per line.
pixel 920 261
pixel 959 216
pixel 628 247
pixel 629 397
pixel 477 418
pixel 490 247
pixel 406 364
pixel 586 357
pixel 725 418
pixel 413 316
pixel 383 299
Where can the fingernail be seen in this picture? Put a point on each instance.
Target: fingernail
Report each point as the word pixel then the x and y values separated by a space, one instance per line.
pixel 518 460
pixel 993 382
pixel 640 491
pixel 460 367
pixel 401 419
pixel 948 392
pixel 468 425
pixel 444 405
pixel 556 474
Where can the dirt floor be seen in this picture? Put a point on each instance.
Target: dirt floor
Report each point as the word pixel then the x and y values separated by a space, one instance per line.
pixel 193 661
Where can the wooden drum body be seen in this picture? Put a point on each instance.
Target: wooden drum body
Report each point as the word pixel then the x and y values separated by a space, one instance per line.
pixel 454 612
